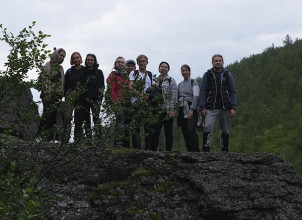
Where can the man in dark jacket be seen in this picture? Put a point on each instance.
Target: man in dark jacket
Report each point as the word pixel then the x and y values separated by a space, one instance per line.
pixel 218 99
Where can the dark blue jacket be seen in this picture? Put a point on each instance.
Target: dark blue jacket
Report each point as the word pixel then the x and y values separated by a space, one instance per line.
pixel 93 82
pixel 208 90
pixel 73 78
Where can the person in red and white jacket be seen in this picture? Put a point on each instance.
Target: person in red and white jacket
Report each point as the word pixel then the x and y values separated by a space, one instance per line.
pixel 117 83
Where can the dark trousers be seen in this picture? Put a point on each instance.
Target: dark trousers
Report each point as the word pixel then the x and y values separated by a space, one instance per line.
pixel 188 127
pixel 136 139
pixel 82 117
pixel 168 128
pixel 122 133
pixel 47 128
pixel 69 108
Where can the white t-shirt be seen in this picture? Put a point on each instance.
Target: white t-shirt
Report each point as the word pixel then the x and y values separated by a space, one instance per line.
pixel 148 82
pixel 141 76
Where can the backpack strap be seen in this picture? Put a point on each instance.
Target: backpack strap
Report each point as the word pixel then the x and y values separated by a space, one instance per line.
pixel 169 80
pixel 136 73
pixel 150 75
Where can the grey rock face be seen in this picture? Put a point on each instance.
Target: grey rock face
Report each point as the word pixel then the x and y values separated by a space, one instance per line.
pixel 125 184
pixel 19 116
pixel 159 185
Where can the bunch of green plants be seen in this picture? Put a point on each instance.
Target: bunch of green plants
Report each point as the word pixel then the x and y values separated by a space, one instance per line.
pixel 18 198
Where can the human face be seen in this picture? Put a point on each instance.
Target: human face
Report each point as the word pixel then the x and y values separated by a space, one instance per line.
pixel 120 63
pixel 90 62
pixel 164 69
pixel 217 63
pixel 185 73
pixel 131 67
pixel 142 63
pixel 62 55
pixel 76 59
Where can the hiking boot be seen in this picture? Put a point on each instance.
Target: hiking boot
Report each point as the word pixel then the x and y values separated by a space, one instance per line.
pixel 224 141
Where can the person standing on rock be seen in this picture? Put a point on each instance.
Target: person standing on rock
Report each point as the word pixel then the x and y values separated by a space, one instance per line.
pixel 91 99
pixel 72 95
pixel 52 92
pixel 188 93
pixel 117 83
pixel 169 89
pixel 139 82
pixel 218 99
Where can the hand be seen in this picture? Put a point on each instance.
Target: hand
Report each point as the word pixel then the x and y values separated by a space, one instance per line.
pixel 190 114
pixel 146 96
pixel 88 100
pixel 204 112
pixel 232 113
pixel 171 114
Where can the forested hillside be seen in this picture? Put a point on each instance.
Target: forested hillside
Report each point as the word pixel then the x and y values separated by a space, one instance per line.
pixel 269 87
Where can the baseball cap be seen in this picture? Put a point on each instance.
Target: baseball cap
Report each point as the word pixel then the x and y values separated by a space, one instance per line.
pixel 131 61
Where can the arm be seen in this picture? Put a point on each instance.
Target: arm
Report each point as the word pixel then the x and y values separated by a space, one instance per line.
pixel 131 84
pixel 66 82
pixel 196 91
pixel 62 81
pixel 101 85
pixel 203 92
pixel 232 91
pixel 233 95
pixel 111 84
pixel 174 97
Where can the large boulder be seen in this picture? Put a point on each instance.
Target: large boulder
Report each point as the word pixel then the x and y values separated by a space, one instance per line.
pixel 125 184
pixel 19 115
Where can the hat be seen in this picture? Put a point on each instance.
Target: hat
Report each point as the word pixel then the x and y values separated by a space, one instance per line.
pixel 131 61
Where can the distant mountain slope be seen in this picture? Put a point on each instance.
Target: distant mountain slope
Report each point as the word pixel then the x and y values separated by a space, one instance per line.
pixel 269 87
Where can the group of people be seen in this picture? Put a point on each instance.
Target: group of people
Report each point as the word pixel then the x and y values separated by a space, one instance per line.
pixel 82 87
pixel 140 99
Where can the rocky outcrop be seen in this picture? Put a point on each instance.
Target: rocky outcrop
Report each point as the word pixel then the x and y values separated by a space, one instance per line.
pixel 125 184
pixel 19 115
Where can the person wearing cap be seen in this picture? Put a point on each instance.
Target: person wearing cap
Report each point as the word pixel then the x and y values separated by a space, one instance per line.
pixel 131 65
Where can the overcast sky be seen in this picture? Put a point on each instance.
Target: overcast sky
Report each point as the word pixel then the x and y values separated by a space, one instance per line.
pixel 176 31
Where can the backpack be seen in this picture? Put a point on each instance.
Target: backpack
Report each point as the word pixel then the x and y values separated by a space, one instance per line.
pixel 156 94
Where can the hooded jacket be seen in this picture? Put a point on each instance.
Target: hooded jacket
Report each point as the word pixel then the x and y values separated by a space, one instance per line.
pixel 53 77
pixel 93 82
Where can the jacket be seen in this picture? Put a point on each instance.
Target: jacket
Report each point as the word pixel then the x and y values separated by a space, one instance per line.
pixel 93 83
pixel 116 83
pixel 208 90
pixel 72 78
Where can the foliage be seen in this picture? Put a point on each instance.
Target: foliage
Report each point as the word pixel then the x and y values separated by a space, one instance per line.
pixel 27 52
pixel 269 103
pixel 18 199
